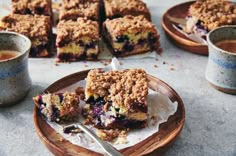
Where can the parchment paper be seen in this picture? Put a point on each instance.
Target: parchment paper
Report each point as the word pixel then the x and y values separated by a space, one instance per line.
pixel 159 106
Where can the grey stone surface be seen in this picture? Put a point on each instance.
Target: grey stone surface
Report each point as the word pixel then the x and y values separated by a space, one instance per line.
pixel 210 128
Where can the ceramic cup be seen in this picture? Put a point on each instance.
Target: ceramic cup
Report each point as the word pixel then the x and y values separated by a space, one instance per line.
pixel 221 67
pixel 15 81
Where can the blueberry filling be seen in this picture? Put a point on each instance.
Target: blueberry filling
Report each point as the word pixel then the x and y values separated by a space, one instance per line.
pixel 39 10
pixel 98 114
pixel 35 51
pixel 55 113
pixel 90 45
pixel 141 41
pixel 128 47
pixel 121 38
pixel 61 97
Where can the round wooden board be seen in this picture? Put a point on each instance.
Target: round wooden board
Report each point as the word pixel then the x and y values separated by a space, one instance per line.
pixel 180 40
pixel 156 144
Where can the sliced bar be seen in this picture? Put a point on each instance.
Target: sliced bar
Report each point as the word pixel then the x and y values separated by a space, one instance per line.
pixel 130 35
pixel 39 7
pixel 58 107
pixel 71 10
pixel 36 27
pixel 120 8
pixel 77 40
pixel 116 99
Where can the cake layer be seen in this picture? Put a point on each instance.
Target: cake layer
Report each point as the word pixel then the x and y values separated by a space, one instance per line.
pixel 71 10
pixel 130 35
pixel 36 27
pixel 120 8
pixel 77 40
pixel 116 99
pixel 39 7
pixel 58 107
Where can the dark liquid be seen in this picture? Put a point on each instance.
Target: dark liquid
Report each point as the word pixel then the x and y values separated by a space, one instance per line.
pixel 227 45
pixel 8 54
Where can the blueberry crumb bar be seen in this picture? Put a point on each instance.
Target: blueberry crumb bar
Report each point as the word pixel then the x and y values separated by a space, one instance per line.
pixel 77 40
pixel 120 8
pixel 130 35
pixel 71 10
pixel 36 27
pixel 58 107
pixel 116 99
pixel 206 15
pixel 39 7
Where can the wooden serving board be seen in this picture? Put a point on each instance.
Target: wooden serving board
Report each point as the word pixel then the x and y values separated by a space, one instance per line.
pixel 156 144
pixel 179 39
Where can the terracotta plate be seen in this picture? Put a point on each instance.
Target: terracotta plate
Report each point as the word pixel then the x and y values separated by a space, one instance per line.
pixel 158 143
pixel 180 11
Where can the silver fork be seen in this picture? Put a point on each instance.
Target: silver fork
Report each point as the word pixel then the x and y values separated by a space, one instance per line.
pixel 105 146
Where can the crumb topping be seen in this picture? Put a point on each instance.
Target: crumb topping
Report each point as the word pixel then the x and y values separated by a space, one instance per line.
pixel 113 135
pixel 36 27
pixel 68 31
pixel 79 8
pixel 214 13
pixel 113 7
pixel 129 24
pixel 32 6
pixel 124 88
pixel 69 4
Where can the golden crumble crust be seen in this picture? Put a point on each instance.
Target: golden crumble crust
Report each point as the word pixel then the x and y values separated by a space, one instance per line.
pixel 40 7
pixel 214 13
pixel 129 24
pixel 36 27
pixel 68 31
pixel 79 8
pixel 124 88
pixel 114 8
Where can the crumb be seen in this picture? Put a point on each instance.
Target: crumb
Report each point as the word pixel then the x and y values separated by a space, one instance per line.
pixel 82 97
pixel 156 59
pixel 56 63
pixel 61 139
pixel 155 66
pixel 108 135
pixel 87 122
pixel 164 62
pixel 172 69
pixel 85 65
pixel 121 63
pixel 172 64
pixel 79 90
pixel 154 119
pixel 122 139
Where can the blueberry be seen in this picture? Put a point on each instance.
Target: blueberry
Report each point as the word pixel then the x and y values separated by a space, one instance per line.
pixel 90 45
pixel 151 38
pixel 81 43
pixel 141 41
pixel 121 38
pixel 61 97
pixel 128 47
pixel 39 10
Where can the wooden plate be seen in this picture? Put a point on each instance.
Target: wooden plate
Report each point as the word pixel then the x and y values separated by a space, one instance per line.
pixel 158 143
pixel 180 11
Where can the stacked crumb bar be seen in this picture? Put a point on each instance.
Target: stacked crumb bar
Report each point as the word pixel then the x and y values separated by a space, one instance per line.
pixel 126 28
pixel 33 19
pixel 78 30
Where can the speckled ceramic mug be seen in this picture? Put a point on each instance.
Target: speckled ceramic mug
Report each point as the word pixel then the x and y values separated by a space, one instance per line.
pixel 221 67
pixel 15 81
